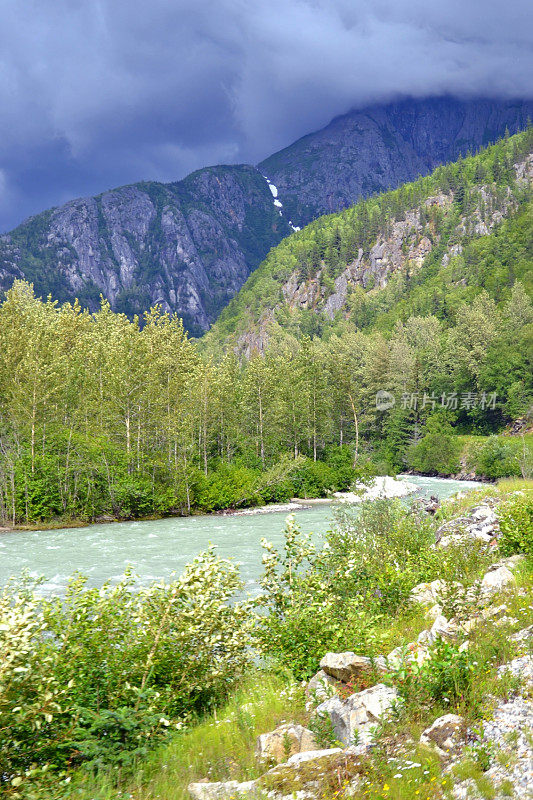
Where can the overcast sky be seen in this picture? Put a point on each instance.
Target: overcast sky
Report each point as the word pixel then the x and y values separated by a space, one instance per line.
pixel 98 93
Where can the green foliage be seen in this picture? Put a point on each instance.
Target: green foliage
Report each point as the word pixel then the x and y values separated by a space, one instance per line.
pixel 496 458
pixel 379 553
pixel 333 598
pixel 500 456
pixel 516 525
pixel 448 673
pixel 333 241
pixel 101 676
pixel 437 451
pixel 104 415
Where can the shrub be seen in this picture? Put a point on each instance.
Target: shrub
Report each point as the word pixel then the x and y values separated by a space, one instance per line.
pixel 437 451
pixel 516 525
pixel 379 551
pixel 333 599
pixel 99 676
pixel 447 675
pixel 314 479
pixel 497 458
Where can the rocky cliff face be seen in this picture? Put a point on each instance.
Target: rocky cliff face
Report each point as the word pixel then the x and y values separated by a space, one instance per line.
pixel 191 245
pixel 188 245
pixel 382 147
pixel 402 251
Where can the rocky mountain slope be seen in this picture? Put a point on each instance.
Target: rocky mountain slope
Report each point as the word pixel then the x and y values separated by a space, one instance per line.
pixel 188 245
pixel 381 147
pixel 191 245
pixel 406 248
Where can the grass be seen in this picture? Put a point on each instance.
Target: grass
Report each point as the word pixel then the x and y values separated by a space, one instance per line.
pixel 501 490
pixel 221 746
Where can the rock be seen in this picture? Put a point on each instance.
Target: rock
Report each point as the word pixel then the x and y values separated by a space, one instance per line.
pixel 345 666
pixel 414 651
pixel 220 790
pixel 427 594
pixel 425 636
pixel 442 629
pixel 521 667
pixel 507 733
pixel 484 514
pixel 493 612
pixel 433 612
pixel 497 579
pixel 321 686
pixel 523 636
pixel 305 775
pixel 353 719
pixel 446 735
pixel 284 741
pixel 481 524
pixel 312 755
pixel 512 562
pixel 503 621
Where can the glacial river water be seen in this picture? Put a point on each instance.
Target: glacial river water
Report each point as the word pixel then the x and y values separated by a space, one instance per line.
pixel 157 548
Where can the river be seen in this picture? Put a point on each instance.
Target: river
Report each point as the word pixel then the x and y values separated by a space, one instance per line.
pixel 157 548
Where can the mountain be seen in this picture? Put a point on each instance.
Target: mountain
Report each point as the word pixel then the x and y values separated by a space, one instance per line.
pixel 188 245
pixel 191 245
pixel 419 250
pixel 381 147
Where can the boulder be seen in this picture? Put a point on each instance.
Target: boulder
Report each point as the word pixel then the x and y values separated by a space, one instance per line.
pixel 441 629
pixel 306 776
pixel 523 636
pixel 481 524
pixel 446 735
pixel 433 612
pixel 413 652
pixel 345 666
pixel 484 514
pixel 427 594
pixel 353 719
pixel 312 755
pixel 286 740
pixel 497 579
pixel 321 686
pixel 493 612
pixel 220 790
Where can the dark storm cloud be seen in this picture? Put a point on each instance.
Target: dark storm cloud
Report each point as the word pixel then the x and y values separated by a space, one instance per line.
pixel 97 93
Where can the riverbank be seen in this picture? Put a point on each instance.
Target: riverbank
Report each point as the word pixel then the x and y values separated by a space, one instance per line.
pixel 380 486
pixel 434 700
pixel 155 549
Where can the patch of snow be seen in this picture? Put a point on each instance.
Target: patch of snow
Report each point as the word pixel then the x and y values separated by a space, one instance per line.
pixel 278 203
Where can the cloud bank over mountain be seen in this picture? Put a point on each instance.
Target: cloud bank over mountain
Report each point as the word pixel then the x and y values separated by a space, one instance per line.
pixel 106 92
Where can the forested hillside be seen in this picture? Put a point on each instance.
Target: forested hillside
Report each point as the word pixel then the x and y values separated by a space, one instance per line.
pixel 101 415
pixel 381 147
pixel 422 249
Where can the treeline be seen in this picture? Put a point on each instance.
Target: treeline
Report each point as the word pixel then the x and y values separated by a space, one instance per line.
pixel 103 415
pixel 480 185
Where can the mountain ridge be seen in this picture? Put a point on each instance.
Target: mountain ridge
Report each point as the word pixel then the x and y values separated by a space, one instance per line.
pixel 191 244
